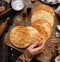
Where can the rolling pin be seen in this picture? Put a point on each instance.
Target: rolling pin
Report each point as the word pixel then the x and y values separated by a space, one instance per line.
pixel 3 26
pixel 5 12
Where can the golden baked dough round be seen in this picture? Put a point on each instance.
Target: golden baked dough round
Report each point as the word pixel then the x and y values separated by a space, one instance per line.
pixel 20 37
pixel 44 7
pixel 42 14
pixel 43 27
pixel 35 35
pixel 43 20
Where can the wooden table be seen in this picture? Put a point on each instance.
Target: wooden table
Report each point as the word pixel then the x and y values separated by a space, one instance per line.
pixel 21 18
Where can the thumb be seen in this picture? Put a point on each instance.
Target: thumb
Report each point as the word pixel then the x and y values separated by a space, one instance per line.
pixel 34 45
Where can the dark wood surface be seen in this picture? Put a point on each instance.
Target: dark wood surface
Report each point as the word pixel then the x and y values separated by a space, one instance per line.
pixel 7 53
pixel 10 53
pixel 26 21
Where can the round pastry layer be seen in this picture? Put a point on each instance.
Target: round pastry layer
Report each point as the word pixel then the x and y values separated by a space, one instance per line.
pixel 44 7
pixel 22 37
pixel 35 35
pixel 42 14
pixel 43 27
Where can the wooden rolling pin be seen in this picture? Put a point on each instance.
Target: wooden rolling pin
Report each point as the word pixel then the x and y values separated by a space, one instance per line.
pixel 3 26
pixel 5 12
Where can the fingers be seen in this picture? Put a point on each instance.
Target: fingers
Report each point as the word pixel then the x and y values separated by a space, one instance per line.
pixel 34 49
pixel 38 52
pixel 39 48
pixel 34 45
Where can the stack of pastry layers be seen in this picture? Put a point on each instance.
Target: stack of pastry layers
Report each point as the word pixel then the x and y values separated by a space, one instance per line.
pixel 42 21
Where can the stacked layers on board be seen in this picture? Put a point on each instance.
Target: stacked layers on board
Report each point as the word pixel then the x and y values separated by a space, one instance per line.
pixel 40 30
pixel 43 20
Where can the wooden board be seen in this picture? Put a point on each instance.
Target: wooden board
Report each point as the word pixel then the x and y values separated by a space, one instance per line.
pixel 19 20
pixel 22 18
pixel 50 47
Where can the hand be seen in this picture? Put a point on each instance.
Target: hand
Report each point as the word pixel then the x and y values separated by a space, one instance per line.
pixel 35 49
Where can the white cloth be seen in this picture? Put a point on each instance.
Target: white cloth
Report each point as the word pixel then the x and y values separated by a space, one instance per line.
pixel 51 1
pixel 58 11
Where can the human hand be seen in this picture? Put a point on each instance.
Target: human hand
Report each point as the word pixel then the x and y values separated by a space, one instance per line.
pixel 35 49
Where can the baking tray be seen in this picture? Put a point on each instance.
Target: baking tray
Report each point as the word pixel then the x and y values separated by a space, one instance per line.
pixel 23 18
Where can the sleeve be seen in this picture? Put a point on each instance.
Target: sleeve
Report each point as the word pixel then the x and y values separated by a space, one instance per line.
pixel 26 57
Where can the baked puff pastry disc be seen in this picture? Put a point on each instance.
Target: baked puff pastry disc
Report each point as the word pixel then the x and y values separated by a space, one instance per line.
pixel 43 27
pixel 22 37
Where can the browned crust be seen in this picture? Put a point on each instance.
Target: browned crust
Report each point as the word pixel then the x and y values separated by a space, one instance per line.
pixel 43 14
pixel 35 35
pixel 44 7
pixel 20 37
pixel 43 27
